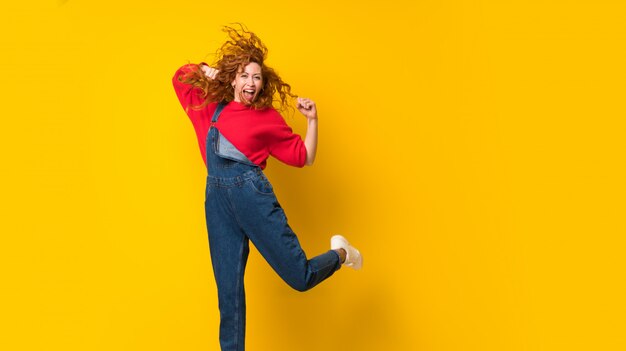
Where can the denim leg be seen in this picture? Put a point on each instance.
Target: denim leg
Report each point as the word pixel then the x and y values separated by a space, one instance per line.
pixel 229 249
pixel 265 223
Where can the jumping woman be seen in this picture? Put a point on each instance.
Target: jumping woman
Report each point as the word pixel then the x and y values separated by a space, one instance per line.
pixel 230 104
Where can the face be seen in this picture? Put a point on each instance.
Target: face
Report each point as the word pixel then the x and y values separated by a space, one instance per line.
pixel 248 83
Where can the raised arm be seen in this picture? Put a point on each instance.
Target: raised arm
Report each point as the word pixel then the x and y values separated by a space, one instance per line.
pixel 187 80
pixel 309 110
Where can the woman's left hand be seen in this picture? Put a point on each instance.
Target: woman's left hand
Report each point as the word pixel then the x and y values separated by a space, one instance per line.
pixel 307 108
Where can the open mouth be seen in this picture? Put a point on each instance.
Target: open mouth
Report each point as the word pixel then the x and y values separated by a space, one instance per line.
pixel 248 94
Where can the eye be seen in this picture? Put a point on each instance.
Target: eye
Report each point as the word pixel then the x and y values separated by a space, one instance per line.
pixel 257 78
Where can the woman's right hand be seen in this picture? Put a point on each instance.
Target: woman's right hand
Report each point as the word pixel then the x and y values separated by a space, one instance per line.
pixel 209 72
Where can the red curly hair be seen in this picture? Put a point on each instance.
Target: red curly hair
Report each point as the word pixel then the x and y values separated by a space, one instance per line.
pixel 232 57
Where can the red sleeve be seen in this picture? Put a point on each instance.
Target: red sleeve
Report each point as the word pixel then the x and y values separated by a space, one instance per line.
pixel 287 146
pixel 187 94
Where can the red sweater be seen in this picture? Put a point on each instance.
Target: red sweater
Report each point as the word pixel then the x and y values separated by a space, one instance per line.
pixel 256 133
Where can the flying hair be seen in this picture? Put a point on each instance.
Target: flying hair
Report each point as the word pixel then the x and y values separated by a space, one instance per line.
pixel 242 48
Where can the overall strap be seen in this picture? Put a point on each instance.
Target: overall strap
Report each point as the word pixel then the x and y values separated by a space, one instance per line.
pixel 218 110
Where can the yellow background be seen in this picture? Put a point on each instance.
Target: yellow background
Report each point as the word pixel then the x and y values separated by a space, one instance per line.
pixel 473 151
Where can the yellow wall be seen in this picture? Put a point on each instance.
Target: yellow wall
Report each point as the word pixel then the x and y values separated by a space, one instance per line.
pixel 473 151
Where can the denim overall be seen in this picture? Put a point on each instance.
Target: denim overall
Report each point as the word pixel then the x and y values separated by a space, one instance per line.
pixel 240 205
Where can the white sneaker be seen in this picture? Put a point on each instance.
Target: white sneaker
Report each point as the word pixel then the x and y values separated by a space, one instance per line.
pixel 354 259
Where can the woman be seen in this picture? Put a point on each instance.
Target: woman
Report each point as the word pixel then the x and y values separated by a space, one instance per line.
pixel 230 106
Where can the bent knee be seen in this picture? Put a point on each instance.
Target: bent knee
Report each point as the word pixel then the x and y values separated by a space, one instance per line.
pixel 300 285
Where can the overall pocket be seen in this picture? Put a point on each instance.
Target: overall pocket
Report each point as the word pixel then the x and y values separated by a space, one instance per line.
pixel 261 185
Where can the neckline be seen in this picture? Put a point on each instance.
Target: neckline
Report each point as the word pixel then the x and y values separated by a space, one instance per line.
pixel 234 105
